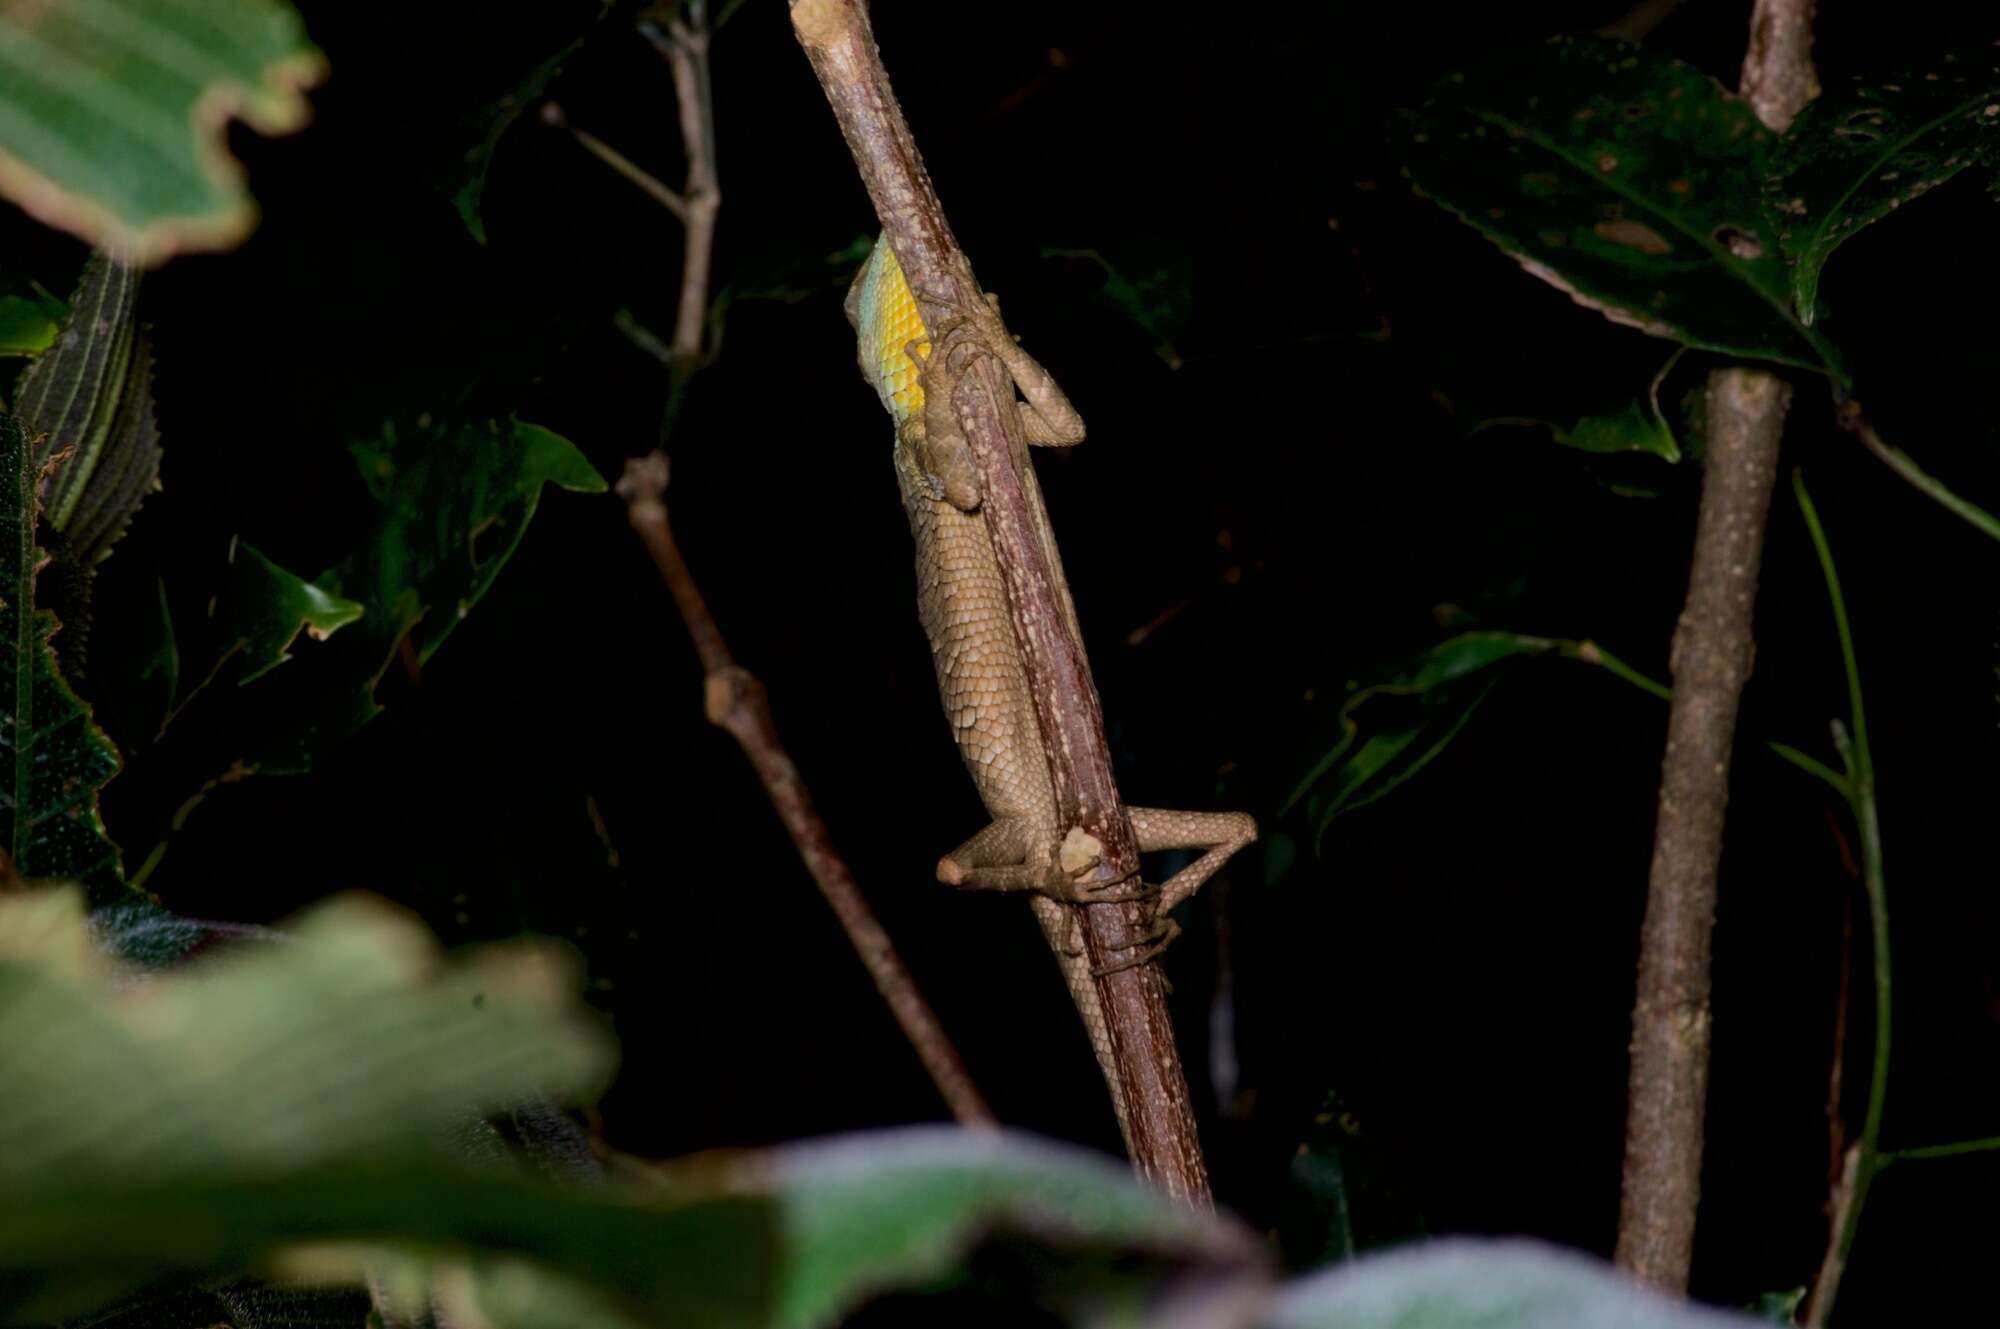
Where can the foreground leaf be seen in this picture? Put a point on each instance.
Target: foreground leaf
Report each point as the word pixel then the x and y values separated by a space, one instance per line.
pixel 112 114
pixel 1631 181
pixel 901 1208
pixel 1465 1284
pixel 53 757
pixel 1864 149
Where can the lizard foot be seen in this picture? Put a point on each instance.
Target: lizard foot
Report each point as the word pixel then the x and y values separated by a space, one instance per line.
pixel 1143 951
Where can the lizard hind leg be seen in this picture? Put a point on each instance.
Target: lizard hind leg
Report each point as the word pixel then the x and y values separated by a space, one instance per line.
pixel 996 859
pixel 1220 833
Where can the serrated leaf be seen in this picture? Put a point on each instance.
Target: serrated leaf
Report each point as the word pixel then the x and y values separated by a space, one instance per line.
pixel 1462 1283
pixel 88 407
pixel 1421 709
pixel 1864 149
pixel 1630 181
pixel 113 114
pixel 53 757
pixel 454 508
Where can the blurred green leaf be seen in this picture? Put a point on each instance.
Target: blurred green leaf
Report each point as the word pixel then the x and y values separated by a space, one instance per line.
pixel 1868 146
pixel 904 1207
pixel 1409 718
pixel 113 141
pixel 1630 181
pixel 1779 1307
pixel 1467 1284
pixel 55 757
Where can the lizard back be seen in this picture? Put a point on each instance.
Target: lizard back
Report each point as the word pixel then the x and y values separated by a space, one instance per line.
pixel 960 600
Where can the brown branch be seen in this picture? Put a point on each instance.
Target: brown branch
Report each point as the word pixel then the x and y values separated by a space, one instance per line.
pixel 736 702
pixel 1711 661
pixel 839 43
pixel 1713 647
pixel 1778 75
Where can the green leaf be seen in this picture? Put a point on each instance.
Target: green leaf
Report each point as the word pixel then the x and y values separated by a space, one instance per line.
pixel 54 757
pixel 1631 181
pixel 454 507
pixel 1864 149
pixel 902 1208
pixel 326 1086
pixel 1468 1284
pixel 114 114
pixel 1410 716
pixel 1634 429
pixel 1151 282
pixel 268 609
pixel 463 178
pixel 28 326
pixel 311 1087
pixel 1779 1307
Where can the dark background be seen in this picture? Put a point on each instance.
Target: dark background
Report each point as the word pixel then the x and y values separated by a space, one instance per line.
pixel 1455 963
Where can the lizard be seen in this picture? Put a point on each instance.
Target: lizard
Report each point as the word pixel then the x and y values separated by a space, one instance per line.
pixel 963 610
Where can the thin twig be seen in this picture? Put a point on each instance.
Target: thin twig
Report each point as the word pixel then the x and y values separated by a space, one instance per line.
pixel 1855 420
pixel 736 702
pixel 554 115
pixel 1864 1158
pixel 1160 1119
pixel 1981 1146
pixel 683 42
pixel 1836 1076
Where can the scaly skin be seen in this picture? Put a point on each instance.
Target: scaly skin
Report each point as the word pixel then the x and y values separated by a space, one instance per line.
pixel 981 679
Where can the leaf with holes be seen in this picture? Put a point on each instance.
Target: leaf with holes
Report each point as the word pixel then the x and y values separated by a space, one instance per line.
pixel 1630 181
pixel 54 757
pixel 113 114
pixel 1863 150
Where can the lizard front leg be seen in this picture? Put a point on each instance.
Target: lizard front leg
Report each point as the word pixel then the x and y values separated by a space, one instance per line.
pixel 935 436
